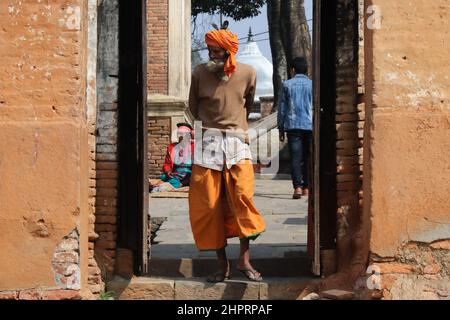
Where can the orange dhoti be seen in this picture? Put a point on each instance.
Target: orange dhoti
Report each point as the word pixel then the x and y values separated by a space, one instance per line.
pixel 221 205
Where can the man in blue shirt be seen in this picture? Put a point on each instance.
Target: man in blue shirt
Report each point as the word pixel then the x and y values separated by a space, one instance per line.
pixel 295 119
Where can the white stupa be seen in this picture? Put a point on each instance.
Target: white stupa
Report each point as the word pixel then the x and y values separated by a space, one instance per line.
pixel 250 54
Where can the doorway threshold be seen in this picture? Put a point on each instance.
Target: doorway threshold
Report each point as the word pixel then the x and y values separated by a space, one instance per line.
pixel 153 288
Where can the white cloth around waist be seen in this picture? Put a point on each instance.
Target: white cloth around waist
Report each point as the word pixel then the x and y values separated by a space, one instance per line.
pixel 215 151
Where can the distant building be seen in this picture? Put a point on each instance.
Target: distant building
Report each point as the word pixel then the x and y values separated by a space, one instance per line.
pixel 250 54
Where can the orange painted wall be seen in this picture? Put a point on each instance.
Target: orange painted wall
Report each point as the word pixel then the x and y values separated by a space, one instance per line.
pixel 407 141
pixel 43 144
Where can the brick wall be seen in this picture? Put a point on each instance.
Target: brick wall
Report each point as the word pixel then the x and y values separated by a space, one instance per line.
pixel 158 46
pixel 349 125
pixel 107 181
pixel 159 130
pixel 418 271
pixel 106 143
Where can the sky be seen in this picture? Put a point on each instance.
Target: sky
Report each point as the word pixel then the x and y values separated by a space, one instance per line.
pixel 258 24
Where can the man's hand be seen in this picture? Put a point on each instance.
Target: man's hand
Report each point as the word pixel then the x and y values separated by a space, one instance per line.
pixel 281 136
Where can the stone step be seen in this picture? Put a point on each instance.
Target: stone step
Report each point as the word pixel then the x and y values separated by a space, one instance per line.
pixel 150 288
pixel 202 267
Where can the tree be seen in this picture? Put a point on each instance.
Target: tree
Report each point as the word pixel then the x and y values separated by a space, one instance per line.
pixel 289 38
pixel 235 9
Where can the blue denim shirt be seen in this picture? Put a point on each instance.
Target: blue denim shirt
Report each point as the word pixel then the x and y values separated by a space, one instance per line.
pixel 295 108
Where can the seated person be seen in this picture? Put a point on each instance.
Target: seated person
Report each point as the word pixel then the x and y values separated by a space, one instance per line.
pixel 178 162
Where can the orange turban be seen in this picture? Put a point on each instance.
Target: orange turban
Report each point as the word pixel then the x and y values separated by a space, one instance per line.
pixel 227 40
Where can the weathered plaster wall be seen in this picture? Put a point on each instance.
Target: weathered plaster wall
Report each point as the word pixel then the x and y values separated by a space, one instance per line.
pixel 407 143
pixel 410 124
pixel 44 145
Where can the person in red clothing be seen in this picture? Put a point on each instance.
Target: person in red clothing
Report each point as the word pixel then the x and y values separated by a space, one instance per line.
pixel 177 166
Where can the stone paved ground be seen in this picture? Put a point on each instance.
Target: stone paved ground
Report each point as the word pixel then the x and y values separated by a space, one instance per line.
pixel 285 218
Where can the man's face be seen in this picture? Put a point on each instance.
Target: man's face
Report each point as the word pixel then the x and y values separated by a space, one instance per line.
pixel 217 54
pixel 217 60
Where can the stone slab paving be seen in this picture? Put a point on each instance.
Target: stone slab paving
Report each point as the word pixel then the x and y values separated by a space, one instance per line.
pixel 198 289
pixel 286 224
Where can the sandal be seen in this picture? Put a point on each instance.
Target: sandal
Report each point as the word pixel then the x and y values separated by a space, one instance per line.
pixel 219 276
pixel 251 275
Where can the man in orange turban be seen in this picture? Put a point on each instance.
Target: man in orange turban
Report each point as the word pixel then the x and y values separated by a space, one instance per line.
pixel 225 40
pixel 222 182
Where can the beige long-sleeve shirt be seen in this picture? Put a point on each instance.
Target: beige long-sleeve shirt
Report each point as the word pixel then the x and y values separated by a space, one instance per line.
pixel 222 105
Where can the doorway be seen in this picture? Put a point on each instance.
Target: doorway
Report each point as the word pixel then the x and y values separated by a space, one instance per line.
pixel 173 252
pixel 134 231
pixel 132 133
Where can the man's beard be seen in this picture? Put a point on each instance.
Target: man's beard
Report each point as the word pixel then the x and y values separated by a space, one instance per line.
pixel 217 68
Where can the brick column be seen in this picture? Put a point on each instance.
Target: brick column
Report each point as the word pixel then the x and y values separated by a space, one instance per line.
pixel 158 46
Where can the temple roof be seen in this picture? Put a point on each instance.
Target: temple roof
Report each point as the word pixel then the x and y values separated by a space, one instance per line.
pixel 250 54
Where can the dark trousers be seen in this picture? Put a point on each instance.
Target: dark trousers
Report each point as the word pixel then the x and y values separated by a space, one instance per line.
pixel 299 148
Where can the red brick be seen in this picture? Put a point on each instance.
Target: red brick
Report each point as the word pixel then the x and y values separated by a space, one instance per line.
pixel 106 211
pixel 346 169
pixel 106 165
pixel 107 235
pixel 352 185
pixel 394 267
pixel 338 294
pixel 348 144
pixel 106 201
pixel 94 270
pixel 107 192
pixel 432 269
pixel 345 135
pixel 105 227
pixel 444 245
pixel 60 295
pixel 107 174
pixel 347 117
pixel 347 126
pixel 106 219
pixel 29 295
pixel 107 183
pixel 347 177
pixel 69 257
pixel 9 295
pixel 105 244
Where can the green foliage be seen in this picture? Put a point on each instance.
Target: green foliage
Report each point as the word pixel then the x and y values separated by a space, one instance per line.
pixel 236 9
pixel 110 295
